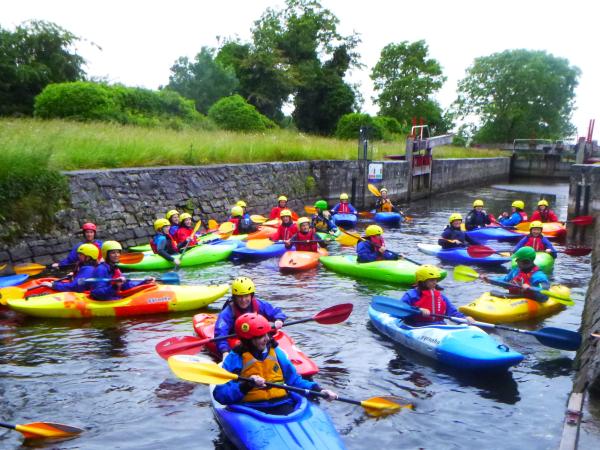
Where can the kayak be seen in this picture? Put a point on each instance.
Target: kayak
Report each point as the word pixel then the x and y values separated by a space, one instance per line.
pixel 209 238
pixel 493 233
pixel 345 220
pixel 262 233
pixel 307 427
pixel 243 252
pixel 552 230
pixel 13 280
pixel 296 261
pixel 494 308
pixel 31 287
pixel 460 255
pixel 388 218
pixel 202 254
pixel 459 346
pixel 395 272
pixel 328 236
pixel 204 326
pixel 543 260
pixel 145 299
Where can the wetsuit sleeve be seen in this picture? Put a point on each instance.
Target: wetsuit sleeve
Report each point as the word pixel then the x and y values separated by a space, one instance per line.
pixel 223 327
pixel 451 310
pixel 365 253
pixel 230 392
pixel 272 313
pixel 77 284
pixel 352 209
pixel 549 246
pixel 520 244
pixel 334 210
pixel 410 297
pixel 540 280
pixel 71 258
pixel 511 221
pixel 552 216
pixel 103 290
pixel 290 375
pixel 508 277
pixel 161 248
pixel 274 214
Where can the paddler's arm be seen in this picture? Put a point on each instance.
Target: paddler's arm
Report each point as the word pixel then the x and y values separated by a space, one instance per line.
pixel 233 391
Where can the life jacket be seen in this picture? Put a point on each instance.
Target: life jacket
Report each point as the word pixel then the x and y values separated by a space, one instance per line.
pixel 170 243
pixel 384 205
pixel 309 246
pixel 183 233
pixel 269 369
pixel 236 222
pixel 544 216
pixel 284 233
pixel 275 212
pixel 433 301
pixel 320 223
pixel 522 278
pixel 535 242
pixel 523 215
pixel 237 312
pixel 115 273
pixel 343 209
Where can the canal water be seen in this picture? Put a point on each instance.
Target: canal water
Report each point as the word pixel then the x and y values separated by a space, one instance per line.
pixel 104 376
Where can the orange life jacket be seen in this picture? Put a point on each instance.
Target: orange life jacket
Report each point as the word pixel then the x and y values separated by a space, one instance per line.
pixel 269 369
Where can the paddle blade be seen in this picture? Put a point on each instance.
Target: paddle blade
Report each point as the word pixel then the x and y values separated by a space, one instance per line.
pixel 196 228
pixel 465 273
pixel 310 209
pixel 179 345
pixel 259 244
pixel 11 292
pixel 366 214
pixel 36 430
pixel 334 314
pixel 131 258
pixel 373 189
pixel 226 227
pixel 347 240
pixel 480 251
pixel 170 278
pixel 273 223
pixel 29 268
pixel 212 224
pixel 393 306
pixel 560 297
pixel 381 406
pixel 199 370
pixel 256 218
pixel 2 267
pixel 577 251
pixel 559 338
pixel 582 220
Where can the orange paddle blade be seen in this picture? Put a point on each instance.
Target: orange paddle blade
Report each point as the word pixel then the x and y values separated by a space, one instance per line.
pixel 131 258
pixel 37 430
pixel 310 209
pixel 29 268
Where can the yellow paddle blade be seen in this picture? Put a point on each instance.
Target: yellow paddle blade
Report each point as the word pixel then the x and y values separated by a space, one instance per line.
pixel 29 268
pixel 382 406
pixel 560 294
pixel 345 239
pixel 226 227
pixel 523 226
pixel 465 273
pixel 38 430
pixel 373 189
pixel 2 267
pixel 212 224
pixel 273 223
pixel 196 228
pixel 11 292
pixel 257 218
pixel 310 209
pixel 259 244
pixel 199 370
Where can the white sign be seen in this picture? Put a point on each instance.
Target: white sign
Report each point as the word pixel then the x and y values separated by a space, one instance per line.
pixel 375 171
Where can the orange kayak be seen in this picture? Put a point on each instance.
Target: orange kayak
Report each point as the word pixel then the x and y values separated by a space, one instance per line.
pixel 262 233
pixel 553 230
pixel 296 261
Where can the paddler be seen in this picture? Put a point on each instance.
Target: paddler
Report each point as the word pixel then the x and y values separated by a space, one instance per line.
pixel 173 217
pixel 163 243
pixel 429 299
pixel 344 207
pixel 543 213
pixel 281 205
pixel 242 204
pixel 383 203
pixel 536 240
pixel 184 232
pixel 243 300
pixel 88 255
pixel 516 216
pixel 89 235
pixel 287 229
pixel 258 358
pixel 453 236
pixel 306 239
pixel 477 217
pixel 321 219
pixel 372 246
pixel 111 290
pixel 243 224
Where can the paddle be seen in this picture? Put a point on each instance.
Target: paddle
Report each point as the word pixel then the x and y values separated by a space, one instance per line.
pixel 310 209
pixel 329 316
pixel 549 336
pixel 226 228
pixel 464 273
pixel 212 225
pixel 166 278
pixel 399 255
pixel 35 269
pixel 257 218
pixel 2 267
pixel 192 368
pixel 194 231
pixel 36 430
pixel 483 251
pixel 581 220
pixel 259 244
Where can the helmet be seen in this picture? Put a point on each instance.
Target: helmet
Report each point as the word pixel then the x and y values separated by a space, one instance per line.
pixel 477 203
pixel 185 216
pixel 536 224
pixel 171 213
pixel 525 254
pixel 159 224
pixel 427 272
pixel 282 198
pixel 285 213
pixel 543 202
pixel 383 190
pixel 89 250
pixel 518 204
pixel 302 220
pixel 108 246
pixel 251 325
pixel 321 204
pixel 374 230
pixel 242 286
pixel 88 226
pixel 454 216
pixel 241 203
pixel 237 211
pixel 343 196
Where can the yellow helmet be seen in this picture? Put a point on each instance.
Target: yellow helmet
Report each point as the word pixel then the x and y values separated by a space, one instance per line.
pixel 282 198
pixel 543 202
pixel 241 203
pixel 108 246
pixel 518 204
pixel 454 216
pixel 171 213
pixel 237 211
pixel 427 272
pixel 285 213
pixel 536 224
pixel 159 224
pixel 383 190
pixel 477 203
pixel 343 196
pixel 185 216
pixel 302 220
pixel 89 250
pixel 242 286
pixel 374 230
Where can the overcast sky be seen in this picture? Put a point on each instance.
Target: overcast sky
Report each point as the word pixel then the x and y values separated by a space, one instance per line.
pixel 140 40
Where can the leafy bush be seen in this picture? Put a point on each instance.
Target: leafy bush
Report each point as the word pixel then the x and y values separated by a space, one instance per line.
pixel 348 127
pixel 234 113
pixel 78 100
pixel 390 124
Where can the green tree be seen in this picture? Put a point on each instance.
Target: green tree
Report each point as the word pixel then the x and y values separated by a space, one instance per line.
pixel 36 54
pixel 519 94
pixel 204 80
pixel 234 113
pixel 405 80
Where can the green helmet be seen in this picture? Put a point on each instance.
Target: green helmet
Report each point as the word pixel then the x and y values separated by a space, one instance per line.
pixel 321 204
pixel 525 254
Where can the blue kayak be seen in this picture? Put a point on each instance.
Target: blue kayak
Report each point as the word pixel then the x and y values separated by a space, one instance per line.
pixel 13 280
pixel 243 252
pixel 345 220
pixel 459 346
pixel 461 255
pixel 494 233
pixel 307 427
pixel 388 218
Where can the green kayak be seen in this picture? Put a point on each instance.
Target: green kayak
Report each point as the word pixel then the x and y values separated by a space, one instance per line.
pixel 543 260
pixel 202 254
pixel 329 237
pixel 201 240
pixel 396 272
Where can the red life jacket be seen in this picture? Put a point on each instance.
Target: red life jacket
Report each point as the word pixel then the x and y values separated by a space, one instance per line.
pixel 236 222
pixel 170 241
pixel 284 233
pixel 343 209
pixel 275 212
pixel 309 246
pixel 544 216
pixel 237 312
pixel 523 215
pixel 522 278
pixel 433 301
pixel 183 233
pixel 536 243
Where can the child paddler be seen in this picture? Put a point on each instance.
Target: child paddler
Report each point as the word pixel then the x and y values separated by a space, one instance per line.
pixel 111 290
pixel 258 358
pixel 162 243
pixel 516 216
pixel 536 240
pixel 88 255
pixel 243 224
pixel 89 235
pixel 477 217
pixel 306 239
pixel 184 232
pixel 243 300
pixel 372 247
pixel 543 213
pixel 321 219
pixel 383 203
pixel 244 206
pixel 281 205
pixel 453 236
pixel 287 229
pixel 344 207
pixel 173 217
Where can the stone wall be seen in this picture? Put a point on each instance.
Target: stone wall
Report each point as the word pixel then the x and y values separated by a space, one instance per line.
pixel 464 172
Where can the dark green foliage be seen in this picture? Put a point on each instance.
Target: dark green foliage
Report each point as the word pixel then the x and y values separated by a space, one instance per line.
pixel 78 100
pixel 349 125
pixel 390 125
pixel 34 55
pixel 234 113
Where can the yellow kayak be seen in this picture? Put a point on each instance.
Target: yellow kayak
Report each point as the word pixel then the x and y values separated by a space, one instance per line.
pixel 147 299
pixel 489 308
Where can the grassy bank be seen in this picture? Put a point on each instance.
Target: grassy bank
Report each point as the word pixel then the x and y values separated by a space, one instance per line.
pixel 74 145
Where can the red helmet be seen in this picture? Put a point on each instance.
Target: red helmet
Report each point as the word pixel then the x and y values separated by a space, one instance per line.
pixel 251 325
pixel 88 226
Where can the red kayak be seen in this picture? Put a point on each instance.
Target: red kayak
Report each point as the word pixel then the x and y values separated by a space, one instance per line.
pixel 204 326
pixel 296 261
